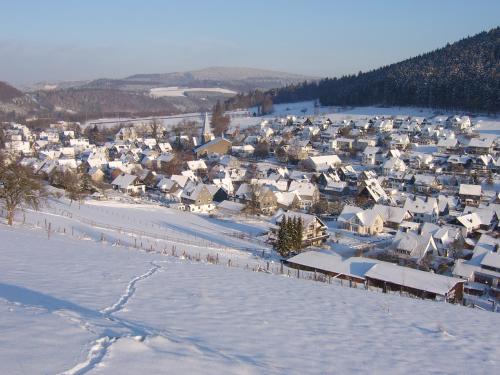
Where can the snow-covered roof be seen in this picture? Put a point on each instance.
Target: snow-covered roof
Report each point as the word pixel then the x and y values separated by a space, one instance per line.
pixel 304 189
pixel 370 150
pixel 395 163
pixel 286 198
pixel 368 217
pixel 491 260
pixel 195 165
pixel 485 142
pixel 211 143
pixel 447 142
pixel 166 183
pixel 390 213
pixel 348 212
pixel 425 179
pixel 306 218
pixel 412 278
pixel 124 180
pixel 231 206
pixel 470 221
pixel 466 189
pixel 331 263
pixel 375 190
pixel 192 191
pixel 426 205
pixel 414 244
pixel 324 162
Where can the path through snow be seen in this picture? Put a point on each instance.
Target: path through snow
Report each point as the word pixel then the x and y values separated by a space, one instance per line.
pixel 100 346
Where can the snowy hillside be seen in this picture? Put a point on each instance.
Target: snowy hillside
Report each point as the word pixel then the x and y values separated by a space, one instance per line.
pixel 74 302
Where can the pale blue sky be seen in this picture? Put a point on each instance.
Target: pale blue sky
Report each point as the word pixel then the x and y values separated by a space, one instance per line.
pixel 47 40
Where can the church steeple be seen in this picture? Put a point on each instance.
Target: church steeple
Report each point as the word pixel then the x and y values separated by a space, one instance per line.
pixel 207 131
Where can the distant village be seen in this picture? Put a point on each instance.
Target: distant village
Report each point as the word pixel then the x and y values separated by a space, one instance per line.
pixel 400 202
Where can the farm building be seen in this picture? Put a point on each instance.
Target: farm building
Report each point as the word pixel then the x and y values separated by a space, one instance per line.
pixel 384 275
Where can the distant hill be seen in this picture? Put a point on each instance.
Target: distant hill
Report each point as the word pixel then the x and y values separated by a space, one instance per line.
pixel 132 95
pixel 94 103
pixel 463 75
pixel 8 92
pixel 238 79
pixel 235 78
pixel 14 102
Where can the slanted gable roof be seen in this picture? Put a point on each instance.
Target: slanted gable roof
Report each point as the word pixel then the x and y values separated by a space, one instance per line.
pixel 412 278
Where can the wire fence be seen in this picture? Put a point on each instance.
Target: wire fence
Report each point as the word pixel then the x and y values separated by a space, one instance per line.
pixel 183 249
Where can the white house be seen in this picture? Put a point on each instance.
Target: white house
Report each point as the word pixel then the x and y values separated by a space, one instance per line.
pixel 128 183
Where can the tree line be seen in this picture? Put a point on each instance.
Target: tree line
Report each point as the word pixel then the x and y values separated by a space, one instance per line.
pixel 460 76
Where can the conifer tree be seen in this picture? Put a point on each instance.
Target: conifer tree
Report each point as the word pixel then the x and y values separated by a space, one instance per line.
pixel 280 243
pixel 293 233
pixel 300 228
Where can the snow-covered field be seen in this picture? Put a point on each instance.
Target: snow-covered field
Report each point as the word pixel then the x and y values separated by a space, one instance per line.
pixel 159 92
pixel 167 121
pixel 71 303
pixel 487 125
pixel 307 108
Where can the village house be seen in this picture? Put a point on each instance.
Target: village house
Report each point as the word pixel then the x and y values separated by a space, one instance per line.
pixel 425 183
pixel 470 195
pixel 260 197
pixel 373 192
pixel 307 191
pixel 129 184
pixel 481 145
pixel 445 237
pixel 322 163
pixel 410 244
pixel 344 144
pixel 314 231
pixel 197 198
pixel 459 123
pixel 422 209
pixel 96 174
pixel 400 141
pixel 371 155
pixel 484 266
pixel 393 165
pixel 447 145
pixel 385 125
pixel 365 222
pixel 266 200
pixel 215 146
pixel 392 216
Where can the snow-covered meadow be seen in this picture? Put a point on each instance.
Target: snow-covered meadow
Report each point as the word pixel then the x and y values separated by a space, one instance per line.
pixel 175 91
pixel 74 302
pixel 243 119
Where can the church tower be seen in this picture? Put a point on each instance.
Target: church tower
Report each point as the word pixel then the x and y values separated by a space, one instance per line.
pixel 207 131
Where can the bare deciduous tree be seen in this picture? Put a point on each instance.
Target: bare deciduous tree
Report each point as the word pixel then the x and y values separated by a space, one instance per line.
pixel 19 186
pixel 155 127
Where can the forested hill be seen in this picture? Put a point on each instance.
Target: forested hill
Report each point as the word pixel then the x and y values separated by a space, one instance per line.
pixel 463 75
